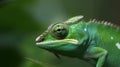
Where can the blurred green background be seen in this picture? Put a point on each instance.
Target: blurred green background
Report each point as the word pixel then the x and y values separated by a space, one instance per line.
pixel 21 21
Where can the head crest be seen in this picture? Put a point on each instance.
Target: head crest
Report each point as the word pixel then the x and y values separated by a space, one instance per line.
pixel 73 20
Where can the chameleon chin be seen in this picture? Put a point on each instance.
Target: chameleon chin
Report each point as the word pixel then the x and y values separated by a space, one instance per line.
pixel 86 40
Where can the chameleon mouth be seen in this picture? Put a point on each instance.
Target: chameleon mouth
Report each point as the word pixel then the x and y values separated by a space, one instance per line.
pixel 73 41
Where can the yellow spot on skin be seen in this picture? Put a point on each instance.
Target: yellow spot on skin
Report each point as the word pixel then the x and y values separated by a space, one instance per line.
pixel 118 45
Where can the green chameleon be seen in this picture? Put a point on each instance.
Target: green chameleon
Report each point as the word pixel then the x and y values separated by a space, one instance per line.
pixel 92 41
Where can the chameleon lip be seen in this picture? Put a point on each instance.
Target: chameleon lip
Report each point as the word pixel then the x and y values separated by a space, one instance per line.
pixel 58 41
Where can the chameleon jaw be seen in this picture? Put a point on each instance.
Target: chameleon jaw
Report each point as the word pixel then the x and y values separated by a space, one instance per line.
pixel 73 41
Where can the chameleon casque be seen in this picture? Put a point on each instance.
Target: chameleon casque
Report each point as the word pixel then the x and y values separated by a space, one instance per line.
pixel 90 41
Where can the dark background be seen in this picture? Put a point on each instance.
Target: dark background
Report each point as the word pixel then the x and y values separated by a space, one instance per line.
pixel 21 21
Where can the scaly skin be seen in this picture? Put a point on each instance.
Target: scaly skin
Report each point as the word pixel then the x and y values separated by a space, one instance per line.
pixel 91 40
pixel 108 38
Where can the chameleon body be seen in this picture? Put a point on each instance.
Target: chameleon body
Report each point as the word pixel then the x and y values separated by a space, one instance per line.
pixel 90 41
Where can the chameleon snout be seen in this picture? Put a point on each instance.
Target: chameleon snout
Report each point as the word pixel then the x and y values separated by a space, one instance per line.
pixel 40 38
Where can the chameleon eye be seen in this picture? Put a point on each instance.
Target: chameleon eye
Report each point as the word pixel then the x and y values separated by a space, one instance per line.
pixel 59 31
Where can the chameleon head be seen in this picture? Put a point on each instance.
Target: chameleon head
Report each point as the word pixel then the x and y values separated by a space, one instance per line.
pixel 63 38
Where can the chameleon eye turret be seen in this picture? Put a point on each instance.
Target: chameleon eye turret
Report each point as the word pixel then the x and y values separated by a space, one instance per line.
pixel 59 31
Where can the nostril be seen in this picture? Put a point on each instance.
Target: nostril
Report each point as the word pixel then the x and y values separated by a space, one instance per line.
pixel 39 38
